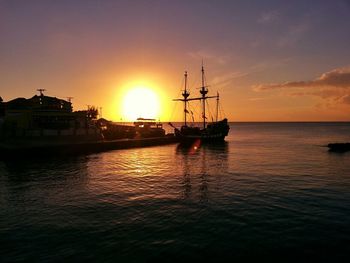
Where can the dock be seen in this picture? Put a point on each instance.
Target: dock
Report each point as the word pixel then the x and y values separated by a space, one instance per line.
pixel 26 149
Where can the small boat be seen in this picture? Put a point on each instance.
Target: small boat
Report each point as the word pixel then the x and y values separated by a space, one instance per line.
pixel 148 128
pixel 339 147
pixel 142 128
pixel 211 132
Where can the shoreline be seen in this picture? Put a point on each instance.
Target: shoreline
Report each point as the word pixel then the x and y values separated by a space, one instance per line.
pixel 22 149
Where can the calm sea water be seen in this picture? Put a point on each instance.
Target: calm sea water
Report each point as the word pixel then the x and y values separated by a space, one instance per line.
pixel 270 192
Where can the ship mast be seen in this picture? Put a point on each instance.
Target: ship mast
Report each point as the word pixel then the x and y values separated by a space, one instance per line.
pixel 185 99
pixel 217 106
pixel 204 92
pixel 185 94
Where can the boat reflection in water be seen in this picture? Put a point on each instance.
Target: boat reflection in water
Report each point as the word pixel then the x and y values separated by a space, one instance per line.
pixel 202 164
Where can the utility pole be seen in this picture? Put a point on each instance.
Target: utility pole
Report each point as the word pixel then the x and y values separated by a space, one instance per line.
pixel 41 91
pixel 204 92
pixel 100 112
pixel 217 106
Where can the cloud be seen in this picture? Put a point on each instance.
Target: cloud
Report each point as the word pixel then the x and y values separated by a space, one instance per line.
pixel 332 87
pixel 293 35
pixel 227 78
pixel 271 63
pixel 330 94
pixel 345 99
pixel 206 55
pixel 337 78
pixel 268 17
pixel 256 99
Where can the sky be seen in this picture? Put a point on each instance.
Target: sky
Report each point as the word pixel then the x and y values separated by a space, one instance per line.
pixel 269 60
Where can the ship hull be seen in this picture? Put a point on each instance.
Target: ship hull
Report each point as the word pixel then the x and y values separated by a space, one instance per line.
pixel 213 133
pixel 339 147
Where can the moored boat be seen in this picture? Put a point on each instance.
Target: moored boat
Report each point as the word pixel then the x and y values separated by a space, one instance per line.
pixel 339 147
pixel 210 132
pixel 148 128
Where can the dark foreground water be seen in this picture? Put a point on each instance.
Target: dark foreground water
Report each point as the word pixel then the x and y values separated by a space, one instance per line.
pixel 270 192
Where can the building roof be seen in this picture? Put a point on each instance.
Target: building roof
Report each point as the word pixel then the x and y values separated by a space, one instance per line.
pixel 39 102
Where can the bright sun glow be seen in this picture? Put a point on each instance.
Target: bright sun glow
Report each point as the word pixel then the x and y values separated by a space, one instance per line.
pixel 140 102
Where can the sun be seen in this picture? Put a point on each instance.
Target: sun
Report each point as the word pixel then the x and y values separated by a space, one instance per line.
pixel 140 102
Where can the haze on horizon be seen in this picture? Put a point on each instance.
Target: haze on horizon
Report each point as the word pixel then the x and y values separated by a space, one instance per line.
pixel 270 60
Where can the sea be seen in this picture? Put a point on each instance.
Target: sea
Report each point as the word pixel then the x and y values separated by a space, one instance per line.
pixel 270 192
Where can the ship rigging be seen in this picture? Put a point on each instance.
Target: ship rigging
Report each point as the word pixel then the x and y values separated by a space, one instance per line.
pixel 210 132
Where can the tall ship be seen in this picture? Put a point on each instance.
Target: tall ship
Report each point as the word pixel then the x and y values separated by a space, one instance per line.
pixel 212 132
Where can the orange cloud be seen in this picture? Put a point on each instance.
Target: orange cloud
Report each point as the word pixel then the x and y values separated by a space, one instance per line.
pixel 337 78
pixel 345 99
pixel 332 87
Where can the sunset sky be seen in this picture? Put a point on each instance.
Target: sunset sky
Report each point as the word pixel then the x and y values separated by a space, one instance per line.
pixel 270 60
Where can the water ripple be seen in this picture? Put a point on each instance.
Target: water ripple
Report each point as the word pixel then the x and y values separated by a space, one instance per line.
pixel 269 189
